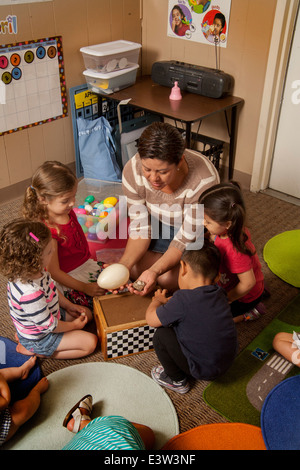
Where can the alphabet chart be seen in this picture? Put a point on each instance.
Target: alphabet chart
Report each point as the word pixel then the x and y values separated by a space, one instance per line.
pixel 32 85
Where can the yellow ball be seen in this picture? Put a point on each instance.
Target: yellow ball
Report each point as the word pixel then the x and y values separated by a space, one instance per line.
pixel 110 201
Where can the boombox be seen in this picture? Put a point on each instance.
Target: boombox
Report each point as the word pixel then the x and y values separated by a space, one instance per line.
pixel 193 78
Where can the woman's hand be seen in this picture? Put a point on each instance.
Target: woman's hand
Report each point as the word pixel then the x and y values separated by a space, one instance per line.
pixel 149 277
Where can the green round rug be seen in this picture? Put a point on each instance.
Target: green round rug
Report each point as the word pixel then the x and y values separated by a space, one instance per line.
pixel 282 255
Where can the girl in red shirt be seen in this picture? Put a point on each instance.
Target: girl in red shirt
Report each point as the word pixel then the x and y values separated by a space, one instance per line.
pixel 178 26
pixel 240 273
pixel 50 199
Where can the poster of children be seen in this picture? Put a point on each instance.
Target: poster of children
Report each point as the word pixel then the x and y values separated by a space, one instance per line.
pixel 204 21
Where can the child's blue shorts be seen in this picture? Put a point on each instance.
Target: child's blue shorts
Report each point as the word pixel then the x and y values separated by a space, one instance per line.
pixel 47 345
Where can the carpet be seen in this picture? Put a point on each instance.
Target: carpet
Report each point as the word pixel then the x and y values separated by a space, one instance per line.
pixel 220 436
pixel 280 416
pixel 267 217
pixel 116 389
pixel 240 393
pixel 282 255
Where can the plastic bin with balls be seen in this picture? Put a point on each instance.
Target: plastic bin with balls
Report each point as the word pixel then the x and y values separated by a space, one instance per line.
pixel 99 210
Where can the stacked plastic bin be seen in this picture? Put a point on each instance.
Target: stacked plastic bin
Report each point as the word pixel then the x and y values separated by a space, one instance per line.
pixel 111 66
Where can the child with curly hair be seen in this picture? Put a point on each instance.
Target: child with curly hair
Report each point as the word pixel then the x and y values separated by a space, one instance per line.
pixel 47 323
pixel 50 199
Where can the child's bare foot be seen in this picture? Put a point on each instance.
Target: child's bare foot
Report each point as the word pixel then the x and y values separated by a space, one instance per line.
pixel 26 367
pixel 22 350
pixel 42 386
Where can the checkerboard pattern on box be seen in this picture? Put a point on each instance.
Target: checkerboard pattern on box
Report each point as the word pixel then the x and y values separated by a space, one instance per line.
pixel 131 341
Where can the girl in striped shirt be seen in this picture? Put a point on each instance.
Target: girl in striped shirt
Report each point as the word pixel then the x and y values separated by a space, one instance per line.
pixel 47 323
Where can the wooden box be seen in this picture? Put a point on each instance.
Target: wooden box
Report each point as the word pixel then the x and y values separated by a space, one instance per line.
pixel 121 324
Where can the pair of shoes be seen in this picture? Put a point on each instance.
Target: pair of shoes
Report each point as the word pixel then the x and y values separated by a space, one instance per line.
pixel 86 402
pixel 159 375
pixel 255 313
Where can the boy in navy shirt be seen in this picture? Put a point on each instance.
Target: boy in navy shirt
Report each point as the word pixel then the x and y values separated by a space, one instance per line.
pixel 195 335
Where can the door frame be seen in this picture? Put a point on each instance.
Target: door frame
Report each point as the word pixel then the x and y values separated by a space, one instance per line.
pixel 281 40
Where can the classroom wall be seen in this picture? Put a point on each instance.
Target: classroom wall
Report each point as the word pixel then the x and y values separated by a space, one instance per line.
pixel 245 58
pixel 86 22
pixel 80 23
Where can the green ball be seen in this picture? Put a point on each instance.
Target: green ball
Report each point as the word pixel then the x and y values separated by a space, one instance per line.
pixel 89 198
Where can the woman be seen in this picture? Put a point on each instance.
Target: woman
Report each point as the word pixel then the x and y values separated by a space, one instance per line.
pixel 161 181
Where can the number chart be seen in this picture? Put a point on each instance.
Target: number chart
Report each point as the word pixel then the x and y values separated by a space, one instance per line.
pixel 33 88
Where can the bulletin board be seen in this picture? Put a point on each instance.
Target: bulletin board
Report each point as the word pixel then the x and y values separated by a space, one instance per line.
pixel 32 85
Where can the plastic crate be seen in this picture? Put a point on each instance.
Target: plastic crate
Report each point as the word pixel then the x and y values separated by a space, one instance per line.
pixel 111 56
pixel 99 220
pixel 108 83
pixel 211 148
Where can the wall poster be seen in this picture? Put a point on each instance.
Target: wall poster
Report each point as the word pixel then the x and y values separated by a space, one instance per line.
pixel 32 85
pixel 204 21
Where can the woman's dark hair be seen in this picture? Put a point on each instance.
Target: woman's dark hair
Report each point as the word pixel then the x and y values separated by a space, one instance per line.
pixel 205 261
pixel 224 203
pixel 162 141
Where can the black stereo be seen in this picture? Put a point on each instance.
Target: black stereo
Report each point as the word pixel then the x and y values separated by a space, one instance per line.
pixel 193 78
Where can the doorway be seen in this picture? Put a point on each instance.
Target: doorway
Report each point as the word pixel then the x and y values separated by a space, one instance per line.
pixel 285 169
pixel 280 47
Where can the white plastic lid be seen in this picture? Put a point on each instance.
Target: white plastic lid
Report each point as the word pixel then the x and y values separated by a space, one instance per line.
pixel 107 48
pixel 107 76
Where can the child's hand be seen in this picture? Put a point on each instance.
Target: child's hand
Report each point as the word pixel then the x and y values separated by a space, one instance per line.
pixel 76 310
pixel 161 296
pixel 92 289
pixel 80 322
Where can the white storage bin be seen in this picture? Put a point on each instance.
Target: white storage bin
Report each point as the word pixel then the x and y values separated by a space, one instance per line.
pixel 97 226
pixel 107 83
pixel 111 56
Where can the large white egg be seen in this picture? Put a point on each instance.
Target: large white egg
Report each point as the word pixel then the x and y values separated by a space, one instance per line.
pixel 113 276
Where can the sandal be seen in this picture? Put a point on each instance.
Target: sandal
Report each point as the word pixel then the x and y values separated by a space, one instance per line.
pixel 86 402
